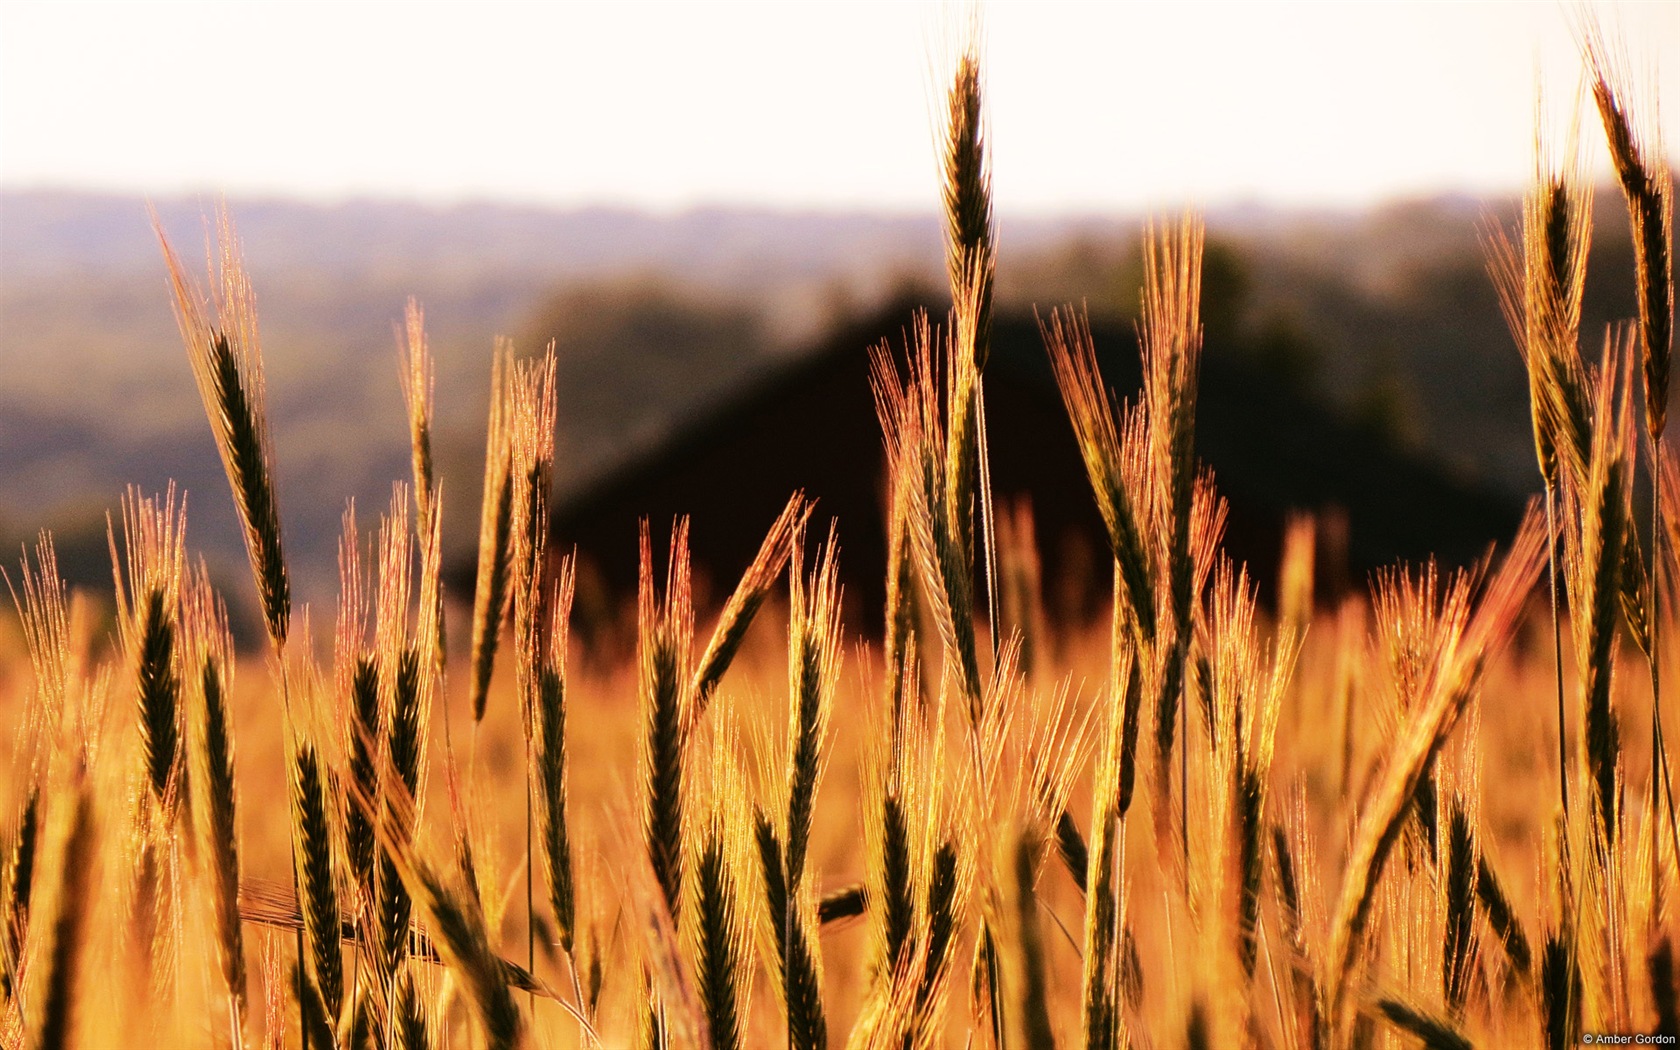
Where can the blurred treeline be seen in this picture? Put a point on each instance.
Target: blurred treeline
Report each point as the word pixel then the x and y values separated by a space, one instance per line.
pixel 1387 315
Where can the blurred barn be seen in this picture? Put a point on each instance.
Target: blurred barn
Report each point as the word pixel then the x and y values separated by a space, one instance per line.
pixel 812 427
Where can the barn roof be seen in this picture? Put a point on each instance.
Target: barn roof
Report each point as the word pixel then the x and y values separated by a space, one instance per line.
pixel 811 426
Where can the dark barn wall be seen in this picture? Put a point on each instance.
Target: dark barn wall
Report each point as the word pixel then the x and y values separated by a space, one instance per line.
pixel 813 428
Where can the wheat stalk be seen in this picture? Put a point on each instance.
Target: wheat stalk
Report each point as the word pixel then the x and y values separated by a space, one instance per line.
pixel 797 962
pixel 549 767
pixel 45 624
pixel 226 357
pixel 813 673
pixel 19 885
pixel 744 603
pixel 1637 155
pixel 1170 337
pixel 211 652
pixel 1110 441
pixel 148 604
pixel 723 970
pixel 1636 152
pixel 1458 886
pixel 1594 575
pixel 316 850
pixel 1560 992
pixel 1435 1033
pixel 495 533
pixel 418 387
pixel 665 632
pixel 1464 636
pixel 64 951
pixel 900 419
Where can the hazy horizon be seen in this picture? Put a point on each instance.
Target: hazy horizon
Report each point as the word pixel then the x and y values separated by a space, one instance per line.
pixel 802 107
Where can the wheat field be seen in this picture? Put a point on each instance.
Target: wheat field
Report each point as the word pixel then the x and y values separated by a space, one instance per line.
pixel 1435 814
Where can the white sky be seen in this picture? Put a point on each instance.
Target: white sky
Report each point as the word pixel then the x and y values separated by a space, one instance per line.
pixel 1094 106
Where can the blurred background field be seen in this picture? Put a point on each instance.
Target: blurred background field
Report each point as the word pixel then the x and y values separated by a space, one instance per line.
pixel 1385 317
pixel 504 168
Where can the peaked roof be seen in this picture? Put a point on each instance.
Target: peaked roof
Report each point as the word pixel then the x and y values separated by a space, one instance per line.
pixel 811 426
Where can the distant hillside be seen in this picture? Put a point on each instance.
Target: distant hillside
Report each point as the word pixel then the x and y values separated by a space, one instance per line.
pixel 1386 315
pixel 98 393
